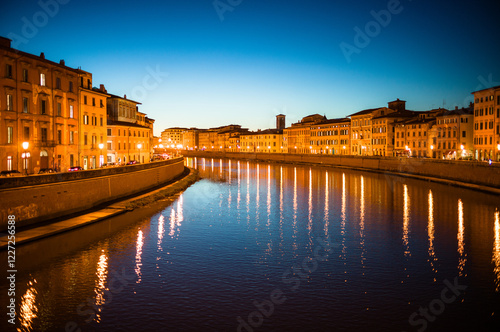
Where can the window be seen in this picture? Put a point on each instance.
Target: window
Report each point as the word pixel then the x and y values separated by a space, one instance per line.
pixel 58 83
pixel 43 107
pixel 8 71
pixel 10 135
pixel 25 75
pixel 93 101
pixel 119 146
pixel 85 139
pixel 9 103
pixel 42 79
pixel 70 86
pixel 86 119
pixel 58 109
pixel 59 137
pixel 109 131
pixel 85 100
pixel 71 137
pixel 102 104
pixel 26 133
pixel 9 163
pixel 25 105
pixel 71 161
pixel 101 122
pixel 71 115
pixel 109 145
pixel 44 134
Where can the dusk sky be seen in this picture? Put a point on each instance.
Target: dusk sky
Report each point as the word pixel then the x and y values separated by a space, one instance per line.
pixel 244 61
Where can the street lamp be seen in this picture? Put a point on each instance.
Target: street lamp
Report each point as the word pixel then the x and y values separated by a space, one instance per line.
pixel 25 156
pixel 139 146
pixel 101 146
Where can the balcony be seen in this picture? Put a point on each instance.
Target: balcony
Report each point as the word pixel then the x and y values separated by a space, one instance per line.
pixel 44 143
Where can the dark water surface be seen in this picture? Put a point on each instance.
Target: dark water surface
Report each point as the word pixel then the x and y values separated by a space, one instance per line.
pixel 269 247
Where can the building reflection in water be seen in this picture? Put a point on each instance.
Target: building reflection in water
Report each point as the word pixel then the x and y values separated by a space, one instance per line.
pixel 161 230
pixel 496 251
pixel 310 205
pixel 342 226
pixel 100 287
pixel 268 195
pixel 460 237
pixel 406 221
pixel 176 218
pixel 326 217
pixel 138 255
pixel 28 309
pixel 295 205
pixel 362 223
pixel 238 199
pixel 430 233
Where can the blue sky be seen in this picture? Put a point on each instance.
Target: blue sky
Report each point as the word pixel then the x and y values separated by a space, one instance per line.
pixel 267 57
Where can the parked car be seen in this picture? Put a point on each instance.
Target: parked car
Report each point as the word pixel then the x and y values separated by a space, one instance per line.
pixel 132 162
pixel 46 171
pixel 10 173
pixel 75 168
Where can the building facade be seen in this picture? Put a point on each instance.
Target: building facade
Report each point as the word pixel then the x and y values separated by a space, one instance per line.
pixel 38 107
pixel 487 124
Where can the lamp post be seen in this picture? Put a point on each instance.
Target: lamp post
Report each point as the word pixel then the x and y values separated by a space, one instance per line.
pixel 101 146
pixel 432 151
pixel 139 146
pixel 25 156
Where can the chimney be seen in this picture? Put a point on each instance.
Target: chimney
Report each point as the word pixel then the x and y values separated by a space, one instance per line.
pixel 5 42
pixel 62 62
pixel 42 55
pixel 101 87
pixel 456 108
pixel 125 96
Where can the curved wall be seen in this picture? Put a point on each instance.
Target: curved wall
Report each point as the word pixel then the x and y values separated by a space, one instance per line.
pixel 42 197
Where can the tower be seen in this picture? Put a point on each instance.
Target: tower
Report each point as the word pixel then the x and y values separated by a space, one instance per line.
pixel 280 122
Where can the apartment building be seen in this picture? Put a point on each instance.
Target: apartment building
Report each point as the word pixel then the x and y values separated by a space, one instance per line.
pixel 331 137
pixel 39 112
pixel 487 124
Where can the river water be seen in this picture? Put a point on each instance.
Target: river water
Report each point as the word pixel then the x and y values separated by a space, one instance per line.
pixel 270 247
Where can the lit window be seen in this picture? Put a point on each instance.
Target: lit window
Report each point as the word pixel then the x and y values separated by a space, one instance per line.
pixel 42 79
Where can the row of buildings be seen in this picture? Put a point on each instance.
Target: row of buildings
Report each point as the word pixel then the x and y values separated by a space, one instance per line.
pixel 51 116
pixel 466 133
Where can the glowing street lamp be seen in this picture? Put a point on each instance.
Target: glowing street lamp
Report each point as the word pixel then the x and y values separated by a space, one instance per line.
pixel 139 146
pixel 25 156
pixel 101 146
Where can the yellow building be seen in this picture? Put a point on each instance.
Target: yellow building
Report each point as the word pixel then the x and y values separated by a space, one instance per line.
pixel 263 141
pixel 93 122
pixel 487 124
pixel 39 106
pixel 455 131
pixel 172 137
pixel 190 139
pixel 362 129
pixel 129 132
pixel 298 135
pixel 331 137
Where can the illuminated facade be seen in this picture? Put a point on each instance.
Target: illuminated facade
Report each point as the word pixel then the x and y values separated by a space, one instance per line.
pixel 331 137
pixel 487 124
pixel 39 106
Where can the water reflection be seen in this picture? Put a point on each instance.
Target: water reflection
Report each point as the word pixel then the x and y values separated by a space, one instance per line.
pixel 343 255
pixel 326 215
pixel 430 233
pixel 28 309
pixel 138 255
pixel 460 237
pixel 100 287
pixel 362 223
pixel 496 251
pixel 406 221
pixel 161 230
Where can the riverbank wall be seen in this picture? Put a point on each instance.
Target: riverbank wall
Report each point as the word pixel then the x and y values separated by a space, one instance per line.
pixel 466 172
pixel 38 198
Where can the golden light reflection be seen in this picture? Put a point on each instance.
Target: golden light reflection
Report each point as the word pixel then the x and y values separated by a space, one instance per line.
pixel 220 167
pixel 248 191
pixel 100 288
pixel 460 237
pixel 294 236
pixel 342 227
pixel 28 309
pixel 406 221
pixel 430 234
pixel 138 255
pixel 362 222
pixel 161 230
pixel 203 164
pixel 212 165
pixel 327 221
pixel 496 251
pixel 176 218
pixel 268 195
pixel 310 205
pixel 238 199
pixel 229 171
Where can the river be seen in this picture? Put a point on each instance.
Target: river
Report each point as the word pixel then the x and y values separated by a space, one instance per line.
pixel 269 247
